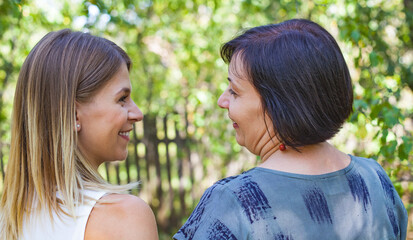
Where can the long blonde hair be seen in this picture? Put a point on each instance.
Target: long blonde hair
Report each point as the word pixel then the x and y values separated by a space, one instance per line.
pixel 65 67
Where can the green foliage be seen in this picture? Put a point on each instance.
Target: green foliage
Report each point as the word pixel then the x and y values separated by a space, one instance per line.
pixel 380 50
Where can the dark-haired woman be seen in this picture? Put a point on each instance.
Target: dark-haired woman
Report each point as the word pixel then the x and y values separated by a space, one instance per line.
pixel 289 92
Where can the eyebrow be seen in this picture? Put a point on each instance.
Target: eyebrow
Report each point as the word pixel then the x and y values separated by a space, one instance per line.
pixel 125 89
pixel 233 83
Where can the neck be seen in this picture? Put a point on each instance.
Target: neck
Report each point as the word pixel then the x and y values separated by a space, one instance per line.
pixel 93 163
pixel 269 148
pixel 312 159
pixel 265 146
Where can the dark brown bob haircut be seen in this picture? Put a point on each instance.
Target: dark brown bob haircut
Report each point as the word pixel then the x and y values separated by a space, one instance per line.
pixel 299 71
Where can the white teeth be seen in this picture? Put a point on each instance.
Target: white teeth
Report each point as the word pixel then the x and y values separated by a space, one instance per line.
pixel 124 134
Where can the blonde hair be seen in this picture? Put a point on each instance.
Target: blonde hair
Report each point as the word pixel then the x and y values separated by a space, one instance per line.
pixel 65 67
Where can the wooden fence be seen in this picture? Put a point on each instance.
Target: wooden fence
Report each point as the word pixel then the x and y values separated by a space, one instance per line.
pixel 160 158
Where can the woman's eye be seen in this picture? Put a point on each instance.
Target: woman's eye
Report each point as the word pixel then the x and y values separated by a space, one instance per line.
pixel 231 92
pixel 123 99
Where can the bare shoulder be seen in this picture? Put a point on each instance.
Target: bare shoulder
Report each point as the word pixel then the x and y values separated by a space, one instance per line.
pixel 121 216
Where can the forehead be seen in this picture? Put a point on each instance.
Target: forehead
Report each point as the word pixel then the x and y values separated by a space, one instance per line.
pixel 120 80
pixel 237 70
pixel 237 67
pixel 121 77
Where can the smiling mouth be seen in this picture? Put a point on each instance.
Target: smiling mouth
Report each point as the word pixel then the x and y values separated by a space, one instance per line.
pixel 125 134
pixel 234 124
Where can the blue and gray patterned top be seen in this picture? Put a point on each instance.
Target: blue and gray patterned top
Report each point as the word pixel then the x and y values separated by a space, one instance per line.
pixel 358 202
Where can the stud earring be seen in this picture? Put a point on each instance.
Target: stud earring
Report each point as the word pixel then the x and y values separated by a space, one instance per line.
pixel 282 147
pixel 78 125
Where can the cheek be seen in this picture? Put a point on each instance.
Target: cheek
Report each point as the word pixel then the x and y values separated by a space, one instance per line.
pixel 113 113
pixel 120 116
pixel 255 123
pixel 115 121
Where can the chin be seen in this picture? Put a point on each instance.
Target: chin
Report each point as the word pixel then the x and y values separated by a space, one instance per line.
pixel 117 160
pixel 121 154
pixel 239 141
pixel 124 156
pixel 119 157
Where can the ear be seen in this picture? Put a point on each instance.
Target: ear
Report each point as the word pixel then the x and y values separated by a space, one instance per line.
pixel 78 110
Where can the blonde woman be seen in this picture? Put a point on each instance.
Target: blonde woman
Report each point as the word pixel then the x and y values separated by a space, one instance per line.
pixel 72 112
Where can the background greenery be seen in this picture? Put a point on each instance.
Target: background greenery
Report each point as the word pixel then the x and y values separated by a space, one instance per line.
pixel 174 46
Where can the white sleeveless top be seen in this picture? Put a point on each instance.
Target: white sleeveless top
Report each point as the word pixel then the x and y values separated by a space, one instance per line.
pixel 41 227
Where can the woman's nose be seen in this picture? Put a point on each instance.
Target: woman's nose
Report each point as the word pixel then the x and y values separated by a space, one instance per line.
pixel 223 100
pixel 135 114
